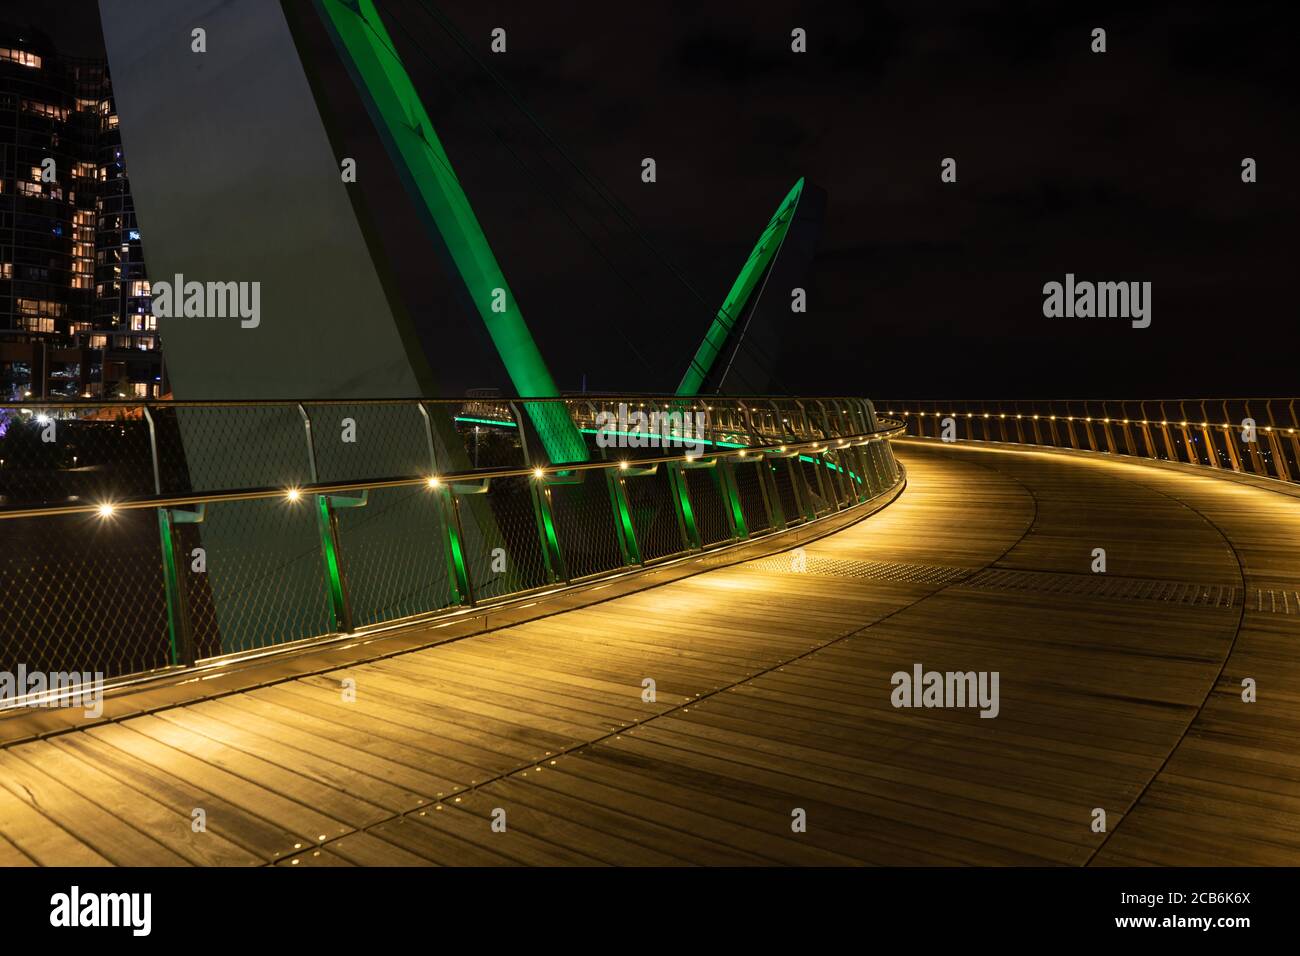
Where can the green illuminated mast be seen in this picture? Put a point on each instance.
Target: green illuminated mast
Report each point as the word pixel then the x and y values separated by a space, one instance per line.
pixel 360 34
pixel 769 244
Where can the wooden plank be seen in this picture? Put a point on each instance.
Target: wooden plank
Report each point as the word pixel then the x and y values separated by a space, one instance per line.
pixel 773 692
pixel 168 824
pixel 83 818
pixel 261 837
pixel 334 811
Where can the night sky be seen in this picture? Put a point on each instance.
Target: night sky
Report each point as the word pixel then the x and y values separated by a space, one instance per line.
pixel 1117 166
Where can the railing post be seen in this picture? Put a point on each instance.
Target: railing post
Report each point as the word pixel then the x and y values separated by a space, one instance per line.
pixel 682 505
pixel 556 567
pixel 328 525
pixel 178 618
pixel 458 578
pixel 178 623
pixel 460 586
pixel 731 498
pixel 818 465
pixel 622 517
pixel 855 456
pixel 766 486
pixel 828 461
pixel 543 513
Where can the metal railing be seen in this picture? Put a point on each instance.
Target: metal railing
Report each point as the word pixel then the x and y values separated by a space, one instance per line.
pixel 1258 436
pixel 138 537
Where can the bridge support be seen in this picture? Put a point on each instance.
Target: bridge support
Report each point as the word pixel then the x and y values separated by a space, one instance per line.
pixel 623 519
pixel 685 512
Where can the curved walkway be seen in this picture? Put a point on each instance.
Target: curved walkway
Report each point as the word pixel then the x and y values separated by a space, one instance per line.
pixel 1118 692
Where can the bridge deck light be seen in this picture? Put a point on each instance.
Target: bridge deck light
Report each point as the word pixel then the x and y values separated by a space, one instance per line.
pixel 433 481
pixel 292 494
pixel 622 466
pixel 106 510
pixel 539 472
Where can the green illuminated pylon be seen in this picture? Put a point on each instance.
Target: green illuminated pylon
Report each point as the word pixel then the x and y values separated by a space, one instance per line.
pixel 715 340
pixel 396 108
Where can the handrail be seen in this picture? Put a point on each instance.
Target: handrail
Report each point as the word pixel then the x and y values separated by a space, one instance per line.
pixel 1259 436
pixel 193 559
pixel 90 403
pixel 895 430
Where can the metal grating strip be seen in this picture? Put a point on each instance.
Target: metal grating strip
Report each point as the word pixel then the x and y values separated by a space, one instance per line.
pixel 1132 589
pixel 803 562
pixel 1187 593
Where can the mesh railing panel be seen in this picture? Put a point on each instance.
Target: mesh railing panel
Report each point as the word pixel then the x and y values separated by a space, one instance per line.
pixel 265 579
pixel 654 515
pixel 91 592
pixel 82 593
pixel 586 526
pixel 503 546
pixel 783 476
pixel 751 496
pixel 392 556
pixel 703 485
pixel 50 456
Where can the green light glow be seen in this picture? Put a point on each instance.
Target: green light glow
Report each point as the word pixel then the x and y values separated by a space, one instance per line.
pixel 769 243
pixel 721 444
pixel 459 582
pixel 360 35
pixel 171 583
pixel 335 581
pixel 486 421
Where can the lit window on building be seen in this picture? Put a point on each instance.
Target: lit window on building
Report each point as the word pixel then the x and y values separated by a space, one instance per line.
pixel 21 57
pixel 48 110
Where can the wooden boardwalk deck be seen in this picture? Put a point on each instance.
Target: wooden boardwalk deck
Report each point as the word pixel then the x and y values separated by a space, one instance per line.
pixel 1119 691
